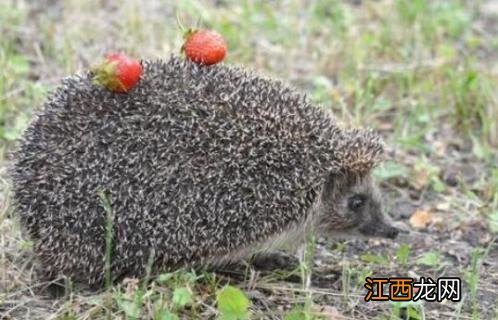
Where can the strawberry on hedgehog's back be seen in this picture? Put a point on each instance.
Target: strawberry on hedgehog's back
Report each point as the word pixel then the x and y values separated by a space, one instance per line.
pixel 198 163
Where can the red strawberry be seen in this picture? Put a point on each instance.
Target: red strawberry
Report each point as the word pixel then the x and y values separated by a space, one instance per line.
pixel 204 46
pixel 118 72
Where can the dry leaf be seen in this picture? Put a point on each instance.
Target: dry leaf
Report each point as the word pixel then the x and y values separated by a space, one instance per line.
pixel 131 285
pixel 421 218
pixel 443 206
pixel 439 148
pixel 421 179
pixel 384 126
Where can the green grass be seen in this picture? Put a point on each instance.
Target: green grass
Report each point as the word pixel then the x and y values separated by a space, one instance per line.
pixel 422 72
pixel 17 92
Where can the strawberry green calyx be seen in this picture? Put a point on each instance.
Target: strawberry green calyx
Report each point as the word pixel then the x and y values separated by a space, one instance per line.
pixel 105 74
pixel 117 72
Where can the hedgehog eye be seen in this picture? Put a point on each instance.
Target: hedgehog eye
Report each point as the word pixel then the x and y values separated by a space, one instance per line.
pixel 356 202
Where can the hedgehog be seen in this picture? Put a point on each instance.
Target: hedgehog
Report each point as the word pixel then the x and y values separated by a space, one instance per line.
pixel 201 166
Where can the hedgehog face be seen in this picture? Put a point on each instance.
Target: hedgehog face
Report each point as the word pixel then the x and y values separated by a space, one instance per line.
pixel 353 207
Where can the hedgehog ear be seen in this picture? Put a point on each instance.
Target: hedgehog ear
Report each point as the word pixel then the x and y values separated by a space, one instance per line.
pixel 363 149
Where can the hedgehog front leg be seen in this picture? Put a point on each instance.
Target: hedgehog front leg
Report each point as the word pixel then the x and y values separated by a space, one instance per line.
pixel 274 260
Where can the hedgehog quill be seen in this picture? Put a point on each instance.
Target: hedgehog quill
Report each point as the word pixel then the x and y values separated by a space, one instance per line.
pixel 201 165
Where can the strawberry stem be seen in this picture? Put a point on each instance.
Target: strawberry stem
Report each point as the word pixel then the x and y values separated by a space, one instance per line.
pixel 179 22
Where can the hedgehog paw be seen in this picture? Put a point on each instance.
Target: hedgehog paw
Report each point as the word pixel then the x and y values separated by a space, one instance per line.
pixel 274 260
pixel 54 288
